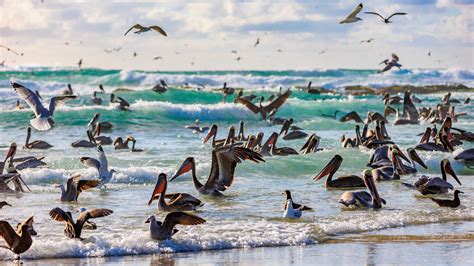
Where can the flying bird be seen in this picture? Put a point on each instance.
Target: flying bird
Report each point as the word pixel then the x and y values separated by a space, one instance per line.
pixel 234 51
pixel 141 29
pixel 368 40
pixel 429 53
pixel 352 17
pixel 386 20
pixel 257 42
pixel 79 63
pixel 100 165
pixel 390 63
pixel 280 50
pixel 157 58
pixel 44 117
pixel 238 58
pixel 11 50
pixel 134 54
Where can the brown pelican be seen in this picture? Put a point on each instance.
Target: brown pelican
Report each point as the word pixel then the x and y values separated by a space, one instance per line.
pixel 140 29
pixel 389 172
pixel 274 150
pixel 449 203
pixel 178 202
pixel 467 100
pixel 295 134
pixel 265 110
pixel 362 198
pixel 388 110
pixel 241 136
pixel 391 100
pixel 37 144
pixel 435 185
pixel 122 103
pixel 389 64
pixel 196 127
pixel 221 142
pixel 75 186
pixel 160 87
pixel 351 116
pixel 165 230
pixel 311 90
pixel 352 17
pixel 467 156
pixel 68 91
pixel 74 229
pixel 341 182
pixel 96 100
pixel 223 164
pixel 103 140
pixel 104 126
pixel 24 162
pixel 101 165
pixel 4 203
pixel 311 144
pixel 18 241
pixel 85 143
pixel 44 117
pixel 444 145
pixel 410 113
pixel 133 147
pixel 294 205
pixel 119 144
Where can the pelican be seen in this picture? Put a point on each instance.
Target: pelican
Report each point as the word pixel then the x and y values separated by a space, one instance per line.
pixel 165 230
pixel 223 164
pixel 352 17
pixel 74 229
pixel 75 186
pixel 18 241
pixel 290 212
pixel 241 136
pixel 122 103
pixel 410 113
pixel 37 144
pixel 103 140
pixel 96 100
pixel 294 205
pixel 178 201
pixel 449 203
pixel 85 143
pixel 119 144
pixel 44 117
pixel 101 165
pixel 389 64
pixel 25 162
pixel 264 111
pixel 351 116
pixel 435 185
pixel 104 126
pixel 311 144
pixel 68 91
pixel 221 142
pixel 467 156
pixel 133 147
pixel 362 198
pixel 284 151
pixel 295 134
pixel 141 29
pixel 4 203
pixel 341 182
pixel 160 87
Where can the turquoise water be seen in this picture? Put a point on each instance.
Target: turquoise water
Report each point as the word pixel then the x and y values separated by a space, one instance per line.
pixel 250 213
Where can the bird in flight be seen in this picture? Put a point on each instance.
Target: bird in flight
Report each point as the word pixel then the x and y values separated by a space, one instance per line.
pixel 238 58
pixel 157 58
pixel 368 40
pixel 257 42
pixel 11 50
pixel 79 63
pixel 352 17
pixel 386 20
pixel 280 50
pixel 390 63
pixel 234 51
pixel 134 54
pixel 141 29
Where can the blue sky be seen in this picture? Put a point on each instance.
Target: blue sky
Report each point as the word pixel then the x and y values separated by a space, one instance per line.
pixel 201 34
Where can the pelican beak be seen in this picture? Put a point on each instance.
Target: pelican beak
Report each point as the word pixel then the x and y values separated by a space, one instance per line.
pixel 414 156
pixel 330 168
pixel 159 188
pixel 11 151
pixel 185 167
pixel 401 154
pixel 449 170
pixel 396 161
pixel 212 132
pixel 370 184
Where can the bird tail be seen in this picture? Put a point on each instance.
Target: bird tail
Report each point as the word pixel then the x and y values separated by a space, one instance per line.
pixel 41 123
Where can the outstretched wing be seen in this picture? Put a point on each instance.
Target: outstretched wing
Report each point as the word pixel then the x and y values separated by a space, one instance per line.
pixel 91 162
pixel 86 184
pixel 123 101
pixel 61 216
pixel 8 233
pixel 136 26
pixel 252 107
pixel 377 14
pixel 57 100
pixel 396 14
pixel 175 218
pixel 158 29
pixel 278 102
pixel 356 10
pixel 30 98
pixel 94 213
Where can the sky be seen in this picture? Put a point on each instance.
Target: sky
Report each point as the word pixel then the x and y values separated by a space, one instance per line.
pixel 294 34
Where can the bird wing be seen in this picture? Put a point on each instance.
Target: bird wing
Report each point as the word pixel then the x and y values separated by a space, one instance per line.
pixel 61 216
pixel 87 184
pixel 175 218
pixel 136 26
pixel 158 29
pixel 278 102
pixel 123 101
pixel 183 199
pixel 396 14
pixel 375 13
pixel 57 100
pixel 252 107
pixel 94 213
pixel 32 163
pixel 356 11
pixel 8 233
pixel 30 98
pixel 103 169
pixel 91 162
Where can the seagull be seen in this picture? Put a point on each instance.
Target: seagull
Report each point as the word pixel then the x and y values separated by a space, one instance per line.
pixel 234 51
pixel 257 42
pixel 101 165
pixel 368 40
pixel 386 20
pixel 74 187
pixel 352 17
pixel 157 58
pixel 141 29
pixel 44 117
pixel 79 63
pixel 390 64
pixel 11 50
pixel 238 58
pixel 429 53
pixel 280 50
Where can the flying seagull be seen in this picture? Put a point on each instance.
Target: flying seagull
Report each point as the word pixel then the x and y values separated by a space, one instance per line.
pixel 44 117
pixel 234 51
pixel 79 63
pixel 386 20
pixel 141 29
pixel 157 58
pixel 368 40
pixel 390 63
pixel 257 42
pixel 11 50
pixel 352 17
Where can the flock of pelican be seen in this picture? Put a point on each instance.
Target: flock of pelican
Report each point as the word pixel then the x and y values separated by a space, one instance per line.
pixel 387 162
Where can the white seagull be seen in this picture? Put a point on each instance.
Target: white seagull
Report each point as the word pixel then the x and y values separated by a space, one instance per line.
pixel 352 17
pixel 290 212
pixel 101 165
pixel 44 117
